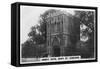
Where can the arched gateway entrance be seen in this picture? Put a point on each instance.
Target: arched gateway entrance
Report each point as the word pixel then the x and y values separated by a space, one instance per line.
pixel 56 47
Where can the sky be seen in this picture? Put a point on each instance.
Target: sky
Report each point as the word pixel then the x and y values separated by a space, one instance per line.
pixel 30 17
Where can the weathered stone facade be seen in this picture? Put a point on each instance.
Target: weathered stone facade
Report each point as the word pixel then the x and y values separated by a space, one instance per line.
pixel 59 29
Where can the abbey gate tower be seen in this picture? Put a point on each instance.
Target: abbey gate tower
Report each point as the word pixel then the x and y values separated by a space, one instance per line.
pixel 59 30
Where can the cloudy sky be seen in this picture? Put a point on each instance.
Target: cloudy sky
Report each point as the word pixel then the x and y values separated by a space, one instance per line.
pixel 30 16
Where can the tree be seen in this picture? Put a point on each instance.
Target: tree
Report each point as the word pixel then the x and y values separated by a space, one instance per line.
pixel 37 34
pixel 86 45
pixel 87 18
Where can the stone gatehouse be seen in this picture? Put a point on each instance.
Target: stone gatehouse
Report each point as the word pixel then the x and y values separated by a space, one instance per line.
pixel 60 28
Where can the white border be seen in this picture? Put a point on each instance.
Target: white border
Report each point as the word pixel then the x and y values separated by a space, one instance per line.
pixel 51 57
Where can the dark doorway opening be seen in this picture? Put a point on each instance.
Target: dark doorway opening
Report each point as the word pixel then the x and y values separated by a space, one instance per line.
pixel 56 51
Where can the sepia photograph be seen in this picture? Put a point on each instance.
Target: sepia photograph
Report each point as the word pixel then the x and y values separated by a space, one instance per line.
pixel 52 34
